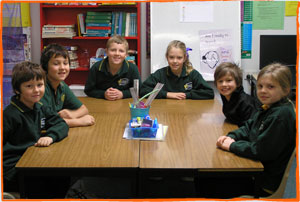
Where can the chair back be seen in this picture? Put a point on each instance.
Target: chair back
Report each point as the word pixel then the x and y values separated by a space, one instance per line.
pixel 280 191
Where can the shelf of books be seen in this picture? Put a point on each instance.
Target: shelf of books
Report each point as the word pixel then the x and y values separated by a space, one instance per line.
pixel 83 28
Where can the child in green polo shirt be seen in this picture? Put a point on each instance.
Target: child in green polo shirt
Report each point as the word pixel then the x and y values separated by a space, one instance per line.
pixel 55 61
pixel 112 77
pixel 26 121
pixel 270 136
pixel 181 81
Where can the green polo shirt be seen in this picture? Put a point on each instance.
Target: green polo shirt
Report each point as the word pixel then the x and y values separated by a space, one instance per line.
pixel 192 84
pixel 63 99
pixel 270 137
pixel 22 128
pixel 100 79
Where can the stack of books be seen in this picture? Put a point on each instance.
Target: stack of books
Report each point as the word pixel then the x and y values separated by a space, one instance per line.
pixel 98 24
pixel 72 50
pixel 58 31
pixel 124 24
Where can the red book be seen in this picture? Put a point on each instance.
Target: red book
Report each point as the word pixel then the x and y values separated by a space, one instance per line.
pixel 103 28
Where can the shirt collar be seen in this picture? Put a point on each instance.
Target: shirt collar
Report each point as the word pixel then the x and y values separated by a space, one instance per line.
pixel 103 67
pixel 276 104
pixel 15 101
pixel 183 72
pixel 51 87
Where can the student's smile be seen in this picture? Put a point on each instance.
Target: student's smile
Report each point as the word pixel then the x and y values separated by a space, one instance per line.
pixel 226 85
pixel 58 69
pixel 62 74
pixel 116 54
pixel 176 59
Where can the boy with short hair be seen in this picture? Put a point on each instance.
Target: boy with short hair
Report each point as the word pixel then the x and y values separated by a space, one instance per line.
pixel 55 61
pixel 112 77
pixel 238 106
pixel 26 121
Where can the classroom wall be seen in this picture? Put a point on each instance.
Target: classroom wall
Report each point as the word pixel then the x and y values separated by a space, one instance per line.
pixel 248 65
pixel 35 32
pixel 252 65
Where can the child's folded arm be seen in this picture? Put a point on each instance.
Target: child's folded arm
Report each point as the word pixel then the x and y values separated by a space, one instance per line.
pixel 56 127
pixel 269 144
pixel 243 132
pixel 126 93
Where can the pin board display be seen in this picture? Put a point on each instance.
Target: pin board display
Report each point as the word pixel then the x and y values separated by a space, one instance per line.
pixel 210 28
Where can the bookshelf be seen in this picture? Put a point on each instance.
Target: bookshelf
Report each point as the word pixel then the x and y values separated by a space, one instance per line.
pixel 67 15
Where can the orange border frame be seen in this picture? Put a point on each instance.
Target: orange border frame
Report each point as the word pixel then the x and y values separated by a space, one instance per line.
pixel 174 199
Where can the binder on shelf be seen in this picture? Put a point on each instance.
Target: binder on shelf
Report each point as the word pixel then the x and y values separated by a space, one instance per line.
pixel 78 26
pixel 116 29
pixel 120 24
pixel 127 24
pixel 113 16
pixel 134 24
pixel 81 27
pixel 124 23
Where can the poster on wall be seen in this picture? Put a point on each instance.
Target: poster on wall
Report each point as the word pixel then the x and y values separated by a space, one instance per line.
pixel 215 48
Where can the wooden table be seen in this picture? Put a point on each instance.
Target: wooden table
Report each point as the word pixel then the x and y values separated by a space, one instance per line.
pixel 190 144
pixel 194 127
pixel 97 150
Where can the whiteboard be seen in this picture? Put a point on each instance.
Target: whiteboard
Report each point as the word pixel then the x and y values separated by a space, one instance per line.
pixel 189 22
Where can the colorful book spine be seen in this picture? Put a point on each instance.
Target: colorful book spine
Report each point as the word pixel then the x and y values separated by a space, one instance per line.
pixel 98 24
pixel 100 17
pixel 98 28
pixel 127 24
pixel 81 28
pixel 97 34
pixel 120 24
pixel 123 23
pixel 116 23
pixel 134 24
pixel 131 24
pixel 97 21
pixel 97 31
pixel 113 15
pixel 98 13
pixel 78 23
